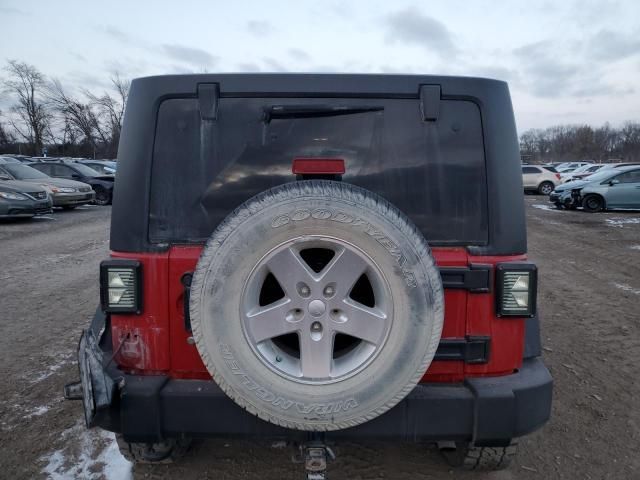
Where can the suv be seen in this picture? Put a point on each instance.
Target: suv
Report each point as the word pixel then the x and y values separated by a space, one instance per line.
pixel 539 179
pixel 317 258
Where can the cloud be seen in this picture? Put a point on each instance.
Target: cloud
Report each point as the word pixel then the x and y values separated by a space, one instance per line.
pixel 543 74
pixel 189 55
pixel 12 11
pixel 249 67
pixel 260 28
pixel 274 65
pixel 610 45
pixel 412 27
pixel 299 55
pixel 117 34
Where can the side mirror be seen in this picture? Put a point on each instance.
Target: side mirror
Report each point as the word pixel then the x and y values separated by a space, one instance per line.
pixel 614 182
pixel 75 176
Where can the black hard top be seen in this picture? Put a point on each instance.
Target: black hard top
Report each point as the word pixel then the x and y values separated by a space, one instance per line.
pixel 505 205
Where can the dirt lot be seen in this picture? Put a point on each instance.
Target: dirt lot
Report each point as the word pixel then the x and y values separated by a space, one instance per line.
pixel 589 301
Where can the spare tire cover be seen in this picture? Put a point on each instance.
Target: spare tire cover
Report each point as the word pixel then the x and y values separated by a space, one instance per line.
pixel 316 305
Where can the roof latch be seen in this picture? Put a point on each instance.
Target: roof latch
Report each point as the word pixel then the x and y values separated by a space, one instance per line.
pixel 430 102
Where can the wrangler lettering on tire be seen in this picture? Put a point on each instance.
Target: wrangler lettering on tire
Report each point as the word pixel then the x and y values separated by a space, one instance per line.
pixel 331 309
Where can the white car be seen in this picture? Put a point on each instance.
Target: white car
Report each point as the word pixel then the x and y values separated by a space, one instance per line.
pixel 539 179
pixel 567 174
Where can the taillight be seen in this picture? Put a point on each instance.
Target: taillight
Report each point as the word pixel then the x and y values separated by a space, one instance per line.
pixel 517 286
pixel 318 166
pixel 558 176
pixel 121 286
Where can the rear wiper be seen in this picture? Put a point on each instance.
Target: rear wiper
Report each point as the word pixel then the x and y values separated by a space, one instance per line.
pixel 314 111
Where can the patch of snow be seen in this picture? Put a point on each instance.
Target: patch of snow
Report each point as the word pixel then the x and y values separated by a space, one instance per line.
pixel 50 371
pixel 635 247
pixel 627 288
pixel 620 222
pixel 98 457
pixel 549 208
pixel 36 412
pixel 42 217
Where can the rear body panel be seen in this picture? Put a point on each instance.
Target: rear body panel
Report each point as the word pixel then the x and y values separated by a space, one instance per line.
pixel 157 340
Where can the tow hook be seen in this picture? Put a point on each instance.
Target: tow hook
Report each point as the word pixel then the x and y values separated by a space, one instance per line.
pixel 315 455
pixel 73 391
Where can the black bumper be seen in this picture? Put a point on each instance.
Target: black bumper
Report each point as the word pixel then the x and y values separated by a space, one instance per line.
pixel 487 411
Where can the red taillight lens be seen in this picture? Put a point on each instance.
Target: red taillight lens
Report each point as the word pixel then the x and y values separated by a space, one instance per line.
pixel 558 176
pixel 318 166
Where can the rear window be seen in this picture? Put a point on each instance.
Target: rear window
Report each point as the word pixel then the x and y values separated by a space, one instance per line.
pixel 530 170
pixel 433 171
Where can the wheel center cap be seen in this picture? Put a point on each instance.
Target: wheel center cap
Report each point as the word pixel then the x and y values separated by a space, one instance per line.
pixel 317 308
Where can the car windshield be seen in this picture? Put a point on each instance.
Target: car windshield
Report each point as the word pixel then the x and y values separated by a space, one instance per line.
pixel 86 171
pixel 23 172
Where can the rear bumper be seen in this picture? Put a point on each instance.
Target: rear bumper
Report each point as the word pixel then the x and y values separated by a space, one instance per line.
pixel 486 411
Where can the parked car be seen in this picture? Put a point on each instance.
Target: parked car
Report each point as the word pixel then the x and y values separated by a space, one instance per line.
pixel 277 280
pixel 67 194
pixel 101 184
pixel 104 167
pixel 566 166
pixel 565 174
pixel 539 179
pixel 608 189
pixel 22 199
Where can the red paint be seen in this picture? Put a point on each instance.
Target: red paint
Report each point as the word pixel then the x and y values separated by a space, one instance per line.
pixel 318 166
pixel 156 341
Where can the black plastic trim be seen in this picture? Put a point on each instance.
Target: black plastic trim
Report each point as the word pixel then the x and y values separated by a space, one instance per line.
pixel 532 343
pixel 476 278
pixel 486 411
pixel 186 283
pixel 471 349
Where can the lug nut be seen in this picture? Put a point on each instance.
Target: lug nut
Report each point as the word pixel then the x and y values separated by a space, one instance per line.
pixel 316 326
pixel 329 291
pixel 304 290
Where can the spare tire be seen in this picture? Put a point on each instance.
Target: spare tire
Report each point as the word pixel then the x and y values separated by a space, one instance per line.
pixel 316 305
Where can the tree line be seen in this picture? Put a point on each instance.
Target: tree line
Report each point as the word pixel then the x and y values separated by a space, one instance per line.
pixel 581 142
pixel 46 116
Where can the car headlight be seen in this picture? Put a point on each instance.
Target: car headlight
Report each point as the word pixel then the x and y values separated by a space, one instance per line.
pixel 517 285
pixel 13 196
pixel 121 286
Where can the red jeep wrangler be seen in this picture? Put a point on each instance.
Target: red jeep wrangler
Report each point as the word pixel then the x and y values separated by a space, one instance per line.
pixel 316 258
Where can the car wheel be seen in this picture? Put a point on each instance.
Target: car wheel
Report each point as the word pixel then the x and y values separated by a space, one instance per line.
pixel 103 196
pixel 559 206
pixel 545 188
pixel 464 456
pixel 168 451
pixel 316 305
pixel 593 203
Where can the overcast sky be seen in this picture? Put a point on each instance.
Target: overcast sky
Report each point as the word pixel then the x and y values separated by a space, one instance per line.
pixel 566 62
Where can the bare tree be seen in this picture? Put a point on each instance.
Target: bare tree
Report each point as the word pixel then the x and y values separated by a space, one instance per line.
pixel 77 116
pixel 5 136
pixel 112 107
pixel 32 117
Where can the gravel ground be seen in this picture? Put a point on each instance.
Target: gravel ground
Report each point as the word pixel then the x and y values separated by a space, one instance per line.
pixel 589 301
